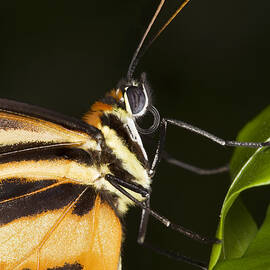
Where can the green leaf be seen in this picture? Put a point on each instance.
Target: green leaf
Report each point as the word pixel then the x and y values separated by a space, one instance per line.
pixel 261 244
pixel 238 218
pixel 257 255
pixel 252 263
pixel 237 229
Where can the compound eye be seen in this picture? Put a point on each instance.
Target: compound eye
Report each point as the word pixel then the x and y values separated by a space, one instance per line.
pixel 137 100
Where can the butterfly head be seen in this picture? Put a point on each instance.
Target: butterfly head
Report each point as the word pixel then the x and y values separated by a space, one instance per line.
pixel 134 96
pixel 130 100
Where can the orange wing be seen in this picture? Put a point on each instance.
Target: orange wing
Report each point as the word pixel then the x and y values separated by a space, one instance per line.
pixel 50 216
pixel 68 238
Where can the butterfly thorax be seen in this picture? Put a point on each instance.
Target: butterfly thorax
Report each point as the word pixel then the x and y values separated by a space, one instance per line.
pixel 122 152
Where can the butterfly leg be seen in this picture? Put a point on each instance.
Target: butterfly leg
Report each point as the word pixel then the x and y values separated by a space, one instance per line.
pixel 146 211
pixel 114 181
pixel 163 130
pixel 176 256
pixel 165 252
pixel 201 171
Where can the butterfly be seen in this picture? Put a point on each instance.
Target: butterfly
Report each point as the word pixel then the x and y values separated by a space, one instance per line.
pixel 65 184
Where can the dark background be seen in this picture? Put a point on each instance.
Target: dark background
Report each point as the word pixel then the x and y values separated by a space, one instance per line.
pixel 209 68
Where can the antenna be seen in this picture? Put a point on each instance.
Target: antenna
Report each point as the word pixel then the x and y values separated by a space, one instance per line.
pixel 139 53
pixel 134 60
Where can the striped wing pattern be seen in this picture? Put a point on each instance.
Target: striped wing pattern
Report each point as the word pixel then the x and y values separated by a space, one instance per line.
pixel 50 217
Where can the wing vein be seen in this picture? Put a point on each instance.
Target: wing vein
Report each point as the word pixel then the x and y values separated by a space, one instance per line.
pixel 50 231
pixel 38 191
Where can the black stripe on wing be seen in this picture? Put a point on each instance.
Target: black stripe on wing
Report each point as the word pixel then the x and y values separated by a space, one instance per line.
pixel 12 188
pixel 67 266
pixel 35 152
pixel 68 122
pixel 51 198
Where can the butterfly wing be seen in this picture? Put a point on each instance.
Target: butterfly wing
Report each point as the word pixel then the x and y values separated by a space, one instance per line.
pixel 50 217
pixel 23 126
pixel 80 233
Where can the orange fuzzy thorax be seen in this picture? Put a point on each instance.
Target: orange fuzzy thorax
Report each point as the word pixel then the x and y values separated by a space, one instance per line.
pixel 98 108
